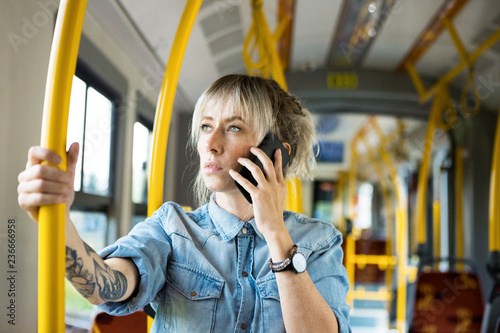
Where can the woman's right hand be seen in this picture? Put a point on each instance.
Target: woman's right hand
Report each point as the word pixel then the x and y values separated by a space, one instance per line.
pixel 42 184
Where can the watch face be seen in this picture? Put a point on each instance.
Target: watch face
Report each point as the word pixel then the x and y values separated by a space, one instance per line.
pixel 299 262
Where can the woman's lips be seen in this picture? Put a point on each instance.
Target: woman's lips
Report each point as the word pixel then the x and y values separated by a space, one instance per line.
pixel 212 167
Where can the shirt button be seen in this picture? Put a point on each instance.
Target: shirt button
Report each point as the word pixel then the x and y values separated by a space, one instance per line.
pixel 245 274
pixel 243 326
pixel 244 230
pixel 193 294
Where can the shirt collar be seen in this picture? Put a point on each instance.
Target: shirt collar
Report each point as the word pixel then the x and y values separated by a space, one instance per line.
pixel 226 223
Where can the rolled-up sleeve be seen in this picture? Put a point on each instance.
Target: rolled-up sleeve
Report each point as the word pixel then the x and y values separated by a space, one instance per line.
pixel 149 247
pixel 330 277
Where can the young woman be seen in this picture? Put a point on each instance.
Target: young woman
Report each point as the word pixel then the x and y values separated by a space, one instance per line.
pixel 229 265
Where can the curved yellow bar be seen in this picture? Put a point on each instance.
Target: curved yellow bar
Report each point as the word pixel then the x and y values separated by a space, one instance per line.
pixel 494 218
pixel 62 65
pixel 165 104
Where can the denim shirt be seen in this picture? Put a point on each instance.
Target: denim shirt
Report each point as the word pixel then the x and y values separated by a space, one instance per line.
pixel 207 271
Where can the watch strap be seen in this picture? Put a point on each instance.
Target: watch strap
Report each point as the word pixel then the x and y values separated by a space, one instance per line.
pixel 285 265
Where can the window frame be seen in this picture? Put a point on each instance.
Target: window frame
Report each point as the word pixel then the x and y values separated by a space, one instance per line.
pixel 88 202
pixel 142 208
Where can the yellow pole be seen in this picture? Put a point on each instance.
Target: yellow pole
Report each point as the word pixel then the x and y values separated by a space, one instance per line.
pixel 401 232
pixel 423 173
pixel 165 104
pixel 339 202
pixel 388 208
pixel 436 224
pixel 164 108
pixel 459 199
pixel 350 258
pixel 62 65
pixel 494 216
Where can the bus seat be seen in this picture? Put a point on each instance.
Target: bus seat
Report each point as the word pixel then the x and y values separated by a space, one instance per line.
pixel 133 323
pixel 370 273
pixel 447 302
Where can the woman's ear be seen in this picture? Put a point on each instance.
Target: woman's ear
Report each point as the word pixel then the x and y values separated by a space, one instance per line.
pixel 287 147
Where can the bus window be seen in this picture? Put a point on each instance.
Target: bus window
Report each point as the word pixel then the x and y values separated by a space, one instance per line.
pixel 90 124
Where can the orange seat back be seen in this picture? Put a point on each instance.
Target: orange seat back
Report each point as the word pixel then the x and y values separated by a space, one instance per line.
pixel 133 323
pixel 447 302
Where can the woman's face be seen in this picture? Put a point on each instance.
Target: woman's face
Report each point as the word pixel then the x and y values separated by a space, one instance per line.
pixel 224 137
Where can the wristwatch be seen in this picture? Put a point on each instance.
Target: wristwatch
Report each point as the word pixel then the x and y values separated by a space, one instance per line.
pixel 296 263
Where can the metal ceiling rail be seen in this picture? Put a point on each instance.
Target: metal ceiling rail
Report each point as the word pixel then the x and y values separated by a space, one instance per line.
pixel 52 218
pixel 467 61
pixel 449 9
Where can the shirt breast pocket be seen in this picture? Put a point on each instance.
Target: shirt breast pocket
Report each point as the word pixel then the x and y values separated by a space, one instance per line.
pixel 271 318
pixel 191 299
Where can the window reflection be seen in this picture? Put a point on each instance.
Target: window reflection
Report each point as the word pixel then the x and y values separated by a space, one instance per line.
pixel 97 153
pixel 75 123
pixel 141 153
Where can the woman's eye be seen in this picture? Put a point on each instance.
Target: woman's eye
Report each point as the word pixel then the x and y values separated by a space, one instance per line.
pixel 234 128
pixel 204 128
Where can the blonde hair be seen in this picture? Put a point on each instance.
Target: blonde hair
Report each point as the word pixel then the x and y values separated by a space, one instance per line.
pixel 263 103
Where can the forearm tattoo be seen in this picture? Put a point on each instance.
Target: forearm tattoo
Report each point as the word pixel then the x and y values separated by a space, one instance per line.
pixel 112 284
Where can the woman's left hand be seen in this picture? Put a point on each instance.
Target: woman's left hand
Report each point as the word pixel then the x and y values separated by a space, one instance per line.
pixel 269 195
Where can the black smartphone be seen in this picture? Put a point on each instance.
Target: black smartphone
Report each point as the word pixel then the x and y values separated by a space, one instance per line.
pixel 268 145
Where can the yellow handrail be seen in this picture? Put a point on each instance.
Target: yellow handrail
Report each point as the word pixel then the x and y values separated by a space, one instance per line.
pixel 423 173
pixel 494 207
pixel 165 104
pixel 401 231
pixel 164 109
pixel 62 65
pixel 405 273
pixel 427 94
pixel 388 205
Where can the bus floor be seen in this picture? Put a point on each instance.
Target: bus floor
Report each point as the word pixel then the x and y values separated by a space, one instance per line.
pixel 369 316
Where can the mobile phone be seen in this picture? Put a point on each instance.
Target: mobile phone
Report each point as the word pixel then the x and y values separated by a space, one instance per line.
pixel 268 145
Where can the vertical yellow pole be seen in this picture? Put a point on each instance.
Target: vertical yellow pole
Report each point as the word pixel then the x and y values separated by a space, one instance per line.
pixel 339 202
pixel 401 232
pixel 350 249
pixel 165 104
pixel 436 230
pixel 494 216
pixel 164 108
pixel 459 183
pixel 350 238
pixel 62 65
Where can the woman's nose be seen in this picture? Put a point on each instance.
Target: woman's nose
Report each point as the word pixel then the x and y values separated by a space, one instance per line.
pixel 213 143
